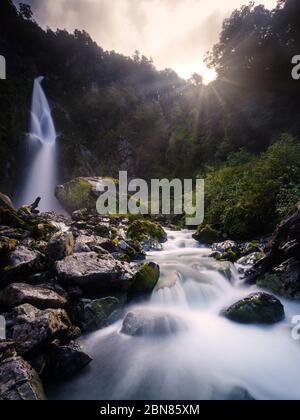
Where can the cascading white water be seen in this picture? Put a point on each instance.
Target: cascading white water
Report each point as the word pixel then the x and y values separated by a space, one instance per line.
pixel 41 179
pixel 212 358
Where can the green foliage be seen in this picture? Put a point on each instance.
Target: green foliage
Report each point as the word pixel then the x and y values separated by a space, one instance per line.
pixel 247 197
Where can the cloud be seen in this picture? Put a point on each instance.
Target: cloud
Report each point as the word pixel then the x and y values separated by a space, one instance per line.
pixel 172 32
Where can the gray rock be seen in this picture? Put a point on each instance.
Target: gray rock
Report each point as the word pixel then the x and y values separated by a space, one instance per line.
pixel 283 280
pixel 18 380
pixel 95 273
pixel 151 323
pixel 32 329
pixel 66 361
pixel 60 246
pixel 22 262
pixel 258 308
pixel 19 293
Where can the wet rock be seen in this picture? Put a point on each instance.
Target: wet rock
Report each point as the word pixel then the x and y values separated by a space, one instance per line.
pixel 251 259
pixel 60 246
pixel 32 329
pixel 92 315
pixel 18 380
pixel 151 323
pixel 65 361
pixel 92 243
pixel 258 308
pixel 19 293
pixel 92 272
pixel 207 235
pixel 283 280
pixel 151 245
pixel 145 280
pixel 6 202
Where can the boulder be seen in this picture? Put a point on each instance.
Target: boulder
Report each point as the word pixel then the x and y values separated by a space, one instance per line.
pixel 92 315
pixel 17 294
pixel 66 361
pixel 32 329
pixel 144 230
pixel 6 202
pixel 150 323
pixel 18 380
pixel 207 235
pixel 283 280
pixel 60 246
pixel 79 193
pixel 96 273
pixel 258 308
pixel 285 244
pixel 22 262
pixel 145 280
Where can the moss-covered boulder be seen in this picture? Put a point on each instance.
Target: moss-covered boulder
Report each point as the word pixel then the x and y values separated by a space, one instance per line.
pixel 79 193
pixel 207 235
pixel 283 280
pixel 143 230
pixel 92 315
pixel 145 280
pixel 258 308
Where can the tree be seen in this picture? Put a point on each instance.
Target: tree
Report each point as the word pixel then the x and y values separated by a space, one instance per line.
pixel 25 11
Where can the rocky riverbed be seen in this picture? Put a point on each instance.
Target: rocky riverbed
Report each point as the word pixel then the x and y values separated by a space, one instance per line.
pixel 64 277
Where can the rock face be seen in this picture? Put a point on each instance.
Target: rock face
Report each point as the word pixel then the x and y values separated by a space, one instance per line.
pixel 18 381
pixel 150 323
pixel 61 245
pixel 207 235
pixel 42 298
pixel 258 308
pixel 91 315
pixel 66 361
pixel 95 273
pixel 32 329
pixel 284 245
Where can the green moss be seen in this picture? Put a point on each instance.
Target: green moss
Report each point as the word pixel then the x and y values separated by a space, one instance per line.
pixel 146 279
pixel 76 195
pixel 141 230
pixel 207 235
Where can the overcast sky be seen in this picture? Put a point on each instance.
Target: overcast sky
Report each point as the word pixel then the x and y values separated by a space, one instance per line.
pixel 175 33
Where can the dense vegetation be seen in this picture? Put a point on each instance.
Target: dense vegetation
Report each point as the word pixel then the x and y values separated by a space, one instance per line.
pixel 115 112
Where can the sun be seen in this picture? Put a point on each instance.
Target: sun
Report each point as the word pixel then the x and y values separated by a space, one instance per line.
pixel 186 70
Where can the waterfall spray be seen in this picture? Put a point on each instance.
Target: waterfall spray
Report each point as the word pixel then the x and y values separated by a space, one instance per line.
pixel 41 179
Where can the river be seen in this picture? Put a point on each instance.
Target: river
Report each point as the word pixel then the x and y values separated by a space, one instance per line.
pixel 212 358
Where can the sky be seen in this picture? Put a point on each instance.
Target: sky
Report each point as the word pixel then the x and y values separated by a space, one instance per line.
pixel 175 33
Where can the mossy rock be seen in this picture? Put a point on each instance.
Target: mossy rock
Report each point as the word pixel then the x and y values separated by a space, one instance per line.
pixel 258 308
pixel 142 230
pixel 77 194
pixel 207 235
pixel 92 315
pixel 145 280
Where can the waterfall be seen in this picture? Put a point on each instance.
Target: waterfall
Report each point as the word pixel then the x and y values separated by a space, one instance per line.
pixel 41 179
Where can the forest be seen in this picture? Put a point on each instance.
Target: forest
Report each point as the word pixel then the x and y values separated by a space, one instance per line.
pixel 113 112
